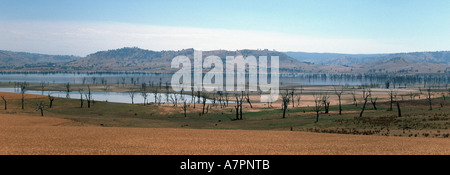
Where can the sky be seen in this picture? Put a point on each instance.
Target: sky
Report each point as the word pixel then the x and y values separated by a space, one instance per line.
pixel 83 27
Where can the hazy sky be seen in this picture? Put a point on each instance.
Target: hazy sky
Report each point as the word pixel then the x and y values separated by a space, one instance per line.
pixel 81 27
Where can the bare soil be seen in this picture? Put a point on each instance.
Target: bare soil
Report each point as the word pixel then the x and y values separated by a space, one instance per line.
pixel 31 135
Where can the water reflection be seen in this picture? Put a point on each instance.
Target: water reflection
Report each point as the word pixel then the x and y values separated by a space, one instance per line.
pixel 117 97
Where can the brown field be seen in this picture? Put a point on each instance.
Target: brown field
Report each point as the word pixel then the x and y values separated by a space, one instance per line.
pixel 22 134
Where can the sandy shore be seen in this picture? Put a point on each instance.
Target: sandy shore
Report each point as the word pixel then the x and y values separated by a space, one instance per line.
pixel 30 135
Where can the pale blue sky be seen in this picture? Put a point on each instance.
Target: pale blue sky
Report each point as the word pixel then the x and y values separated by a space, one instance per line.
pixel 383 25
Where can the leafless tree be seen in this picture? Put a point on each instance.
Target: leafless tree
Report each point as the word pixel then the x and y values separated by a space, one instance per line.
pixel 4 100
pixel 220 94
pixel 67 90
pixel 94 79
pixel 123 81
pixel 42 86
pixel 83 80
pixel 88 96
pixel 292 93
pixel 40 107
pixel 185 106
pixel 285 99
pixel 155 94
pixel 247 97
pixel 23 88
pixel 203 98
pixel 51 99
pixel 373 100
pixel 411 95
pixel 131 94
pixel 339 94
pixel 355 102
pixel 81 97
pixel 429 97
pixel 144 95
pixel 364 105
pixel 317 105
pixel 392 96
pixel 238 106
pixel 174 99
pixel 326 102
pixel 298 96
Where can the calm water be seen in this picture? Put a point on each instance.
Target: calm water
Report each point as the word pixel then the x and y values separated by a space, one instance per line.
pixel 138 78
pixel 118 97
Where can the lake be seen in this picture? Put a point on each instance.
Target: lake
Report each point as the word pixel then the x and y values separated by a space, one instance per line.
pixel 117 97
pixel 285 79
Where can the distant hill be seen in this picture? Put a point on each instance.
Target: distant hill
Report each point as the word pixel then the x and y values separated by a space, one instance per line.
pixel 23 60
pixel 332 58
pixel 441 57
pixel 140 60
pixel 133 59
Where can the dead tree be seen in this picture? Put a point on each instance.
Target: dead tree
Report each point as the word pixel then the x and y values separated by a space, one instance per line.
pixel 220 94
pixel 155 94
pixel 429 97
pixel 88 97
pixel 298 97
pixel 339 94
pixel 285 99
pixel 81 97
pixel 355 102
pixel 374 102
pixel 292 97
pixel 131 94
pixel 204 104
pixel 50 98
pixel 392 95
pixel 248 100
pixel 40 107
pixel 326 103
pixel 42 86
pixel 67 90
pixel 411 95
pixel 23 88
pixel 4 100
pixel 364 105
pixel 144 95
pixel 185 106
pixel 238 107
pixel 317 106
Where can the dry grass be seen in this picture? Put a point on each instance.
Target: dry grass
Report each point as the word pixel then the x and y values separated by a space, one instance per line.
pixel 22 134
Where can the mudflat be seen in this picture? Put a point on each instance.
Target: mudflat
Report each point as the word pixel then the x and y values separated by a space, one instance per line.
pixel 33 135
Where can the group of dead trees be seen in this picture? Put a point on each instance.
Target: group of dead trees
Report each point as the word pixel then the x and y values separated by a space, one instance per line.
pixel 87 95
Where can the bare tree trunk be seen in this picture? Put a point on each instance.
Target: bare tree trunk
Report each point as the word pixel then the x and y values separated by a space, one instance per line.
pixel 41 108
pixel 184 108
pixel 240 109
pixel 317 116
pixel 248 101
pixel 364 106
pixel 23 88
pixel 4 100
pixel 398 108
pixel 429 98
pixel 284 111
pixel 50 98
pixel 374 103
pixel 237 108
pixel 204 105
pixel 340 106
